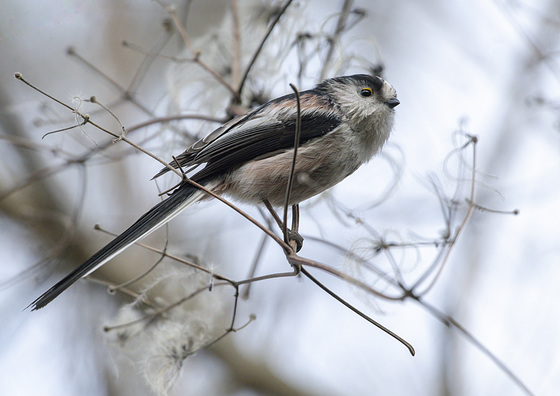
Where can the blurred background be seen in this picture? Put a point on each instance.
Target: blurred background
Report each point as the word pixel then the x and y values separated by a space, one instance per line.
pixel 482 282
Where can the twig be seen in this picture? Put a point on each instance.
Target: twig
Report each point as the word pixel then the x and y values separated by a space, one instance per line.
pixel 256 260
pixel 473 140
pixel 126 95
pixel 93 99
pixel 147 62
pixel 449 321
pixel 260 47
pixel 241 212
pixel 274 275
pixel 359 313
pixel 161 310
pixel 550 61
pixel 40 174
pixel 236 61
pixel 65 129
pixel 340 26
pixel 166 119
pixel 298 261
pixel 297 135
pixel 274 214
pixel 514 212
pixel 172 11
pixel 124 290
pixel 33 145
pixel 85 117
pixel 145 273
pixel 172 257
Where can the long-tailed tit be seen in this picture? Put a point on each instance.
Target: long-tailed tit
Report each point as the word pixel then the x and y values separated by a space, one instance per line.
pixel 344 122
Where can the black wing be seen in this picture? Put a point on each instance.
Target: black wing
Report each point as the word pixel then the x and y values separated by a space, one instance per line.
pixel 265 131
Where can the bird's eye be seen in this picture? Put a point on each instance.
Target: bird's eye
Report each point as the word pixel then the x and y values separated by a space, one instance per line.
pixel 366 92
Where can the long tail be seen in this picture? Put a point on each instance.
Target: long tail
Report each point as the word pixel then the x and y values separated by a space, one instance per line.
pixel 156 217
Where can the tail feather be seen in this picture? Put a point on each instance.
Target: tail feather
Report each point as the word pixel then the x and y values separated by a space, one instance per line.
pixel 156 217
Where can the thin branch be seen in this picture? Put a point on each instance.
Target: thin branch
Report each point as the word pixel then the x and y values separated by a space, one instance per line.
pixel 172 11
pixel 353 256
pixel 340 27
pixel 166 119
pixel 275 216
pixel 144 274
pixel 548 60
pixel 359 313
pixel 449 321
pixel 298 261
pixel 126 95
pixel 274 275
pixel 65 129
pixel 86 117
pixel 40 174
pixel 123 290
pixel 147 62
pixel 256 260
pixel 297 135
pixel 242 213
pixel 161 310
pixel 178 259
pixel 261 45
pixel 93 99
pixel 33 145
pixel 473 140
pixel 236 61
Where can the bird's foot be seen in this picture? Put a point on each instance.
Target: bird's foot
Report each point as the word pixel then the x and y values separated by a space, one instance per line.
pixel 297 238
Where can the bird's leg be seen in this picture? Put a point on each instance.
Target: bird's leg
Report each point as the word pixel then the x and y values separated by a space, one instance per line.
pixel 293 234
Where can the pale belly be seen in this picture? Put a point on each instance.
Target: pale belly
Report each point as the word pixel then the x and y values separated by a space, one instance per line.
pixel 318 167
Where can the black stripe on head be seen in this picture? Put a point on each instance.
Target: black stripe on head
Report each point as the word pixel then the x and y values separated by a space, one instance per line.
pixel 374 82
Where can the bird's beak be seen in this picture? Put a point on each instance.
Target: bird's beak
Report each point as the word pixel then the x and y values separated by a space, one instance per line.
pixel 392 103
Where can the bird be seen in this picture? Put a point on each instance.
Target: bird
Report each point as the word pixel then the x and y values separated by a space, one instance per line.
pixel 344 122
